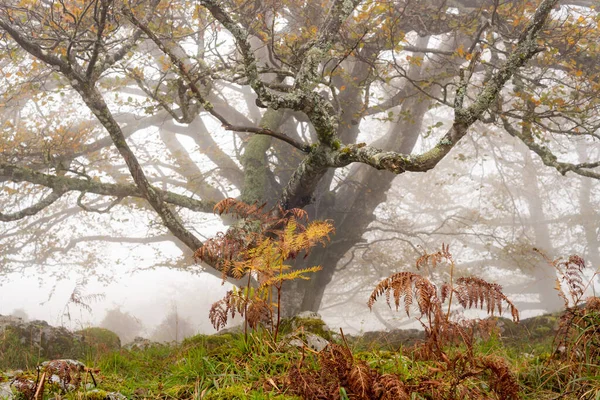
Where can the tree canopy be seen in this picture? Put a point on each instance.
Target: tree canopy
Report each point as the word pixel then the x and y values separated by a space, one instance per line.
pixel 151 111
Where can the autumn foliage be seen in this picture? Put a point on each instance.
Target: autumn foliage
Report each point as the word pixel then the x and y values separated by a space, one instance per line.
pixel 259 249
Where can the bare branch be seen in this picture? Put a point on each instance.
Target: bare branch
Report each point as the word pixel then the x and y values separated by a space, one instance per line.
pixel 29 211
pixel 548 158
pixel 263 131
pixel 97 210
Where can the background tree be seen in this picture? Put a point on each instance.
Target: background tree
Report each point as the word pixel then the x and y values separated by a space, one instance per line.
pixel 173 328
pixel 147 112
pixel 122 323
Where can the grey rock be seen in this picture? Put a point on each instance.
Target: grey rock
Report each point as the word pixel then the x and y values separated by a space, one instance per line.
pixel 315 342
pixel 308 315
pixel 308 339
pixel 5 391
pixel 107 395
pixel 309 321
pixel 42 339
pixel 140 343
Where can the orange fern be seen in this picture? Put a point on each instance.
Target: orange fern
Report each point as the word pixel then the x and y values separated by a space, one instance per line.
pixel 475 292
pixel 404 286
pixel 258 248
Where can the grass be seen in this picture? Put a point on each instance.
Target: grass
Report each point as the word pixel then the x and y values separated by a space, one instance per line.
pixel 230 367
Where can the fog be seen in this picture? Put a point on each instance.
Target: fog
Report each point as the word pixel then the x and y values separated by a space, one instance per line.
pixel 148 296
pixel 109 178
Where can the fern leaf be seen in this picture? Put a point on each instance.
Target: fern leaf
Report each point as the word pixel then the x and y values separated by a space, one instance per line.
pixel 502 380
pixel 360 380
pixel 298 214
pixel 219 311
pixel 290 276
pixel 476 292
pixel 390 387
pixel 400 286
pixel 239 209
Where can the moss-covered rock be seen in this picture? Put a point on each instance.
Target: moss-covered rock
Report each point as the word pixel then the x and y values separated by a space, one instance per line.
pixel 308 322
pixel 214 344
pixel 26 344
pixel 99 340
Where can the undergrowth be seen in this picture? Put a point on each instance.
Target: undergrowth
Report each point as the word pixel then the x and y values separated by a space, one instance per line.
pixel 458 358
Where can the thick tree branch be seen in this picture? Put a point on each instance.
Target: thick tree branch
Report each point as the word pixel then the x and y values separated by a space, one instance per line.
pixel 303 98
pixel 93 99
pixel 317 50
pixel 397 163
pixel 66 184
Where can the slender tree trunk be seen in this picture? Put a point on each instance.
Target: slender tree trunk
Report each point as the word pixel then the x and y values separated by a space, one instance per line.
pixel 590 219
pixel 544 274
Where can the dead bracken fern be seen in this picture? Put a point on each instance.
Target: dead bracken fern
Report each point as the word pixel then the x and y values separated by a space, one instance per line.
pixel 434 313
pixel 577 341
pixel 501 380
pixel 476 292
pixel 570 274
pixel 79 299
pixel 254 310
pixel 338 369
pixel 405 287
pixel 259 249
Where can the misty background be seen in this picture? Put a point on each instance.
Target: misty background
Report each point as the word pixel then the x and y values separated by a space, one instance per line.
pixel 491 199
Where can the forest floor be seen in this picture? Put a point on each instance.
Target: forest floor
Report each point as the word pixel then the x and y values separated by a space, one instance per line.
pixel 513 361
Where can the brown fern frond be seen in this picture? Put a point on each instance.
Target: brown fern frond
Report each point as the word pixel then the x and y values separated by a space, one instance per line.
pixel 82 300
pixel 361 381
pixel 389 387
pixel 476 292
pixel 305 384
pixel 240 209
pixel 592 305
pixel 571 273
pixel 435 258
pixel 578 336
pixel 223 249
pixel 236 301
pixel 401 285
pixel 219 311
pixel 257 312
pixel 297 213
pixel 502 380
pixel 336 360
pixel 572 270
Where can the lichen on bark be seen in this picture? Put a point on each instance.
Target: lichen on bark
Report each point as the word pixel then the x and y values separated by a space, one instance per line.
pixel 255 160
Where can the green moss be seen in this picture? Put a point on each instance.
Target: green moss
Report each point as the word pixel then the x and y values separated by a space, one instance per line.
pixel 214 344
pixel 14 353
pixel 98 341
pixel 228 366
pixel 314 325
pixel 255 161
